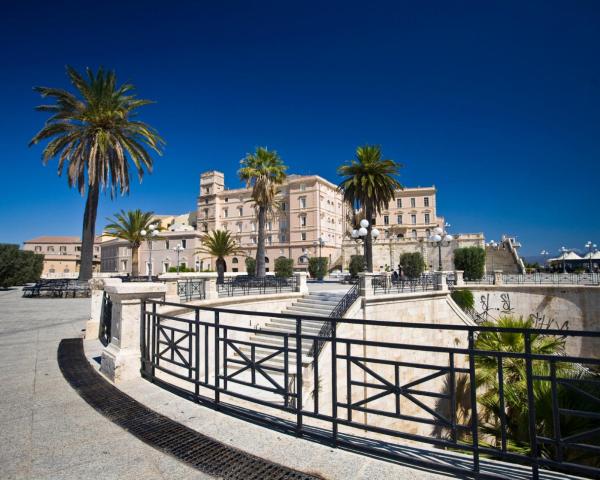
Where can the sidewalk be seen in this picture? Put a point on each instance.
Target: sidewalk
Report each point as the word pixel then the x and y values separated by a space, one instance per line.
pixel 46 430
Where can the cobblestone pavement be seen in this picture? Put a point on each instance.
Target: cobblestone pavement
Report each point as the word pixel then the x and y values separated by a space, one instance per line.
pixel 46 430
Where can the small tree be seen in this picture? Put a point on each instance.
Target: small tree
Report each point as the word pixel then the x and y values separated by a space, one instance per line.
pixel 357 265
pixel 18 266
pixel 284 267
pixel 220 244
pixel 317 267
pixel 471 260
pixel 250 266
pixel 412 264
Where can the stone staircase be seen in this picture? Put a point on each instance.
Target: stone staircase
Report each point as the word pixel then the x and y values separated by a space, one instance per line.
pixel 500 258
pixel 317 304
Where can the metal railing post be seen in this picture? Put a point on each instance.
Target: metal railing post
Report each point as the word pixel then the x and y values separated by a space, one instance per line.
pixel 531 407
pixel 299 376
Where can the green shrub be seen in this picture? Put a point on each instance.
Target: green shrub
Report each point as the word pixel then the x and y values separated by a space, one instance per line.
pixel 317 267
pixel 19 266
pixel 471 260
pixel 181 269
pixel 464 299
pixel 251 266
pixel 357 265
pixel 412 264
pixel 284 267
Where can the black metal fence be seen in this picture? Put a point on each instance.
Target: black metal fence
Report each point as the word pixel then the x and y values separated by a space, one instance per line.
pixel 450 387
pixel 553 278
pixel 487 279
pixel 191 289
pixel 244 285
pixel 383 284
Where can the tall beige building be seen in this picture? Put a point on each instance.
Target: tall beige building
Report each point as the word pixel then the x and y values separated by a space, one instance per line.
pixel 311 220
pixel 310 212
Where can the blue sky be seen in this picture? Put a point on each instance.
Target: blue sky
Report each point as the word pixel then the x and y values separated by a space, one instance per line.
pixel 496 103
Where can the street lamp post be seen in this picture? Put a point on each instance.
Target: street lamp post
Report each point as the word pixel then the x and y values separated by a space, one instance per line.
pixel 320 242
pixel 564 255
pixel 178 249
pixel 591 249
pixel 544 254
pixel 149 235
pixel 361 234
pixel 437 240
pixel 492 244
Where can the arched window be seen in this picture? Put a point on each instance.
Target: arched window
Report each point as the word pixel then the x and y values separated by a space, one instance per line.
pixel 235 260
pixel 266 259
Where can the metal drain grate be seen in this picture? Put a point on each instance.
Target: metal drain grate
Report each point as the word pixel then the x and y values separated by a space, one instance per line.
pixel 189 446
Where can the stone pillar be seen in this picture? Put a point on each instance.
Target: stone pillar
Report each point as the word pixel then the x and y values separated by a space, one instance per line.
pixel 92 327
pixel 498 277
pixel 121 359
pixel 460 279
pixel 301 285
pixel 441 281
pixel 365 284
pixel 210 285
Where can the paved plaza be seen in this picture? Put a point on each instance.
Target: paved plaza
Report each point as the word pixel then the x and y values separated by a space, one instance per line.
pixel 46 430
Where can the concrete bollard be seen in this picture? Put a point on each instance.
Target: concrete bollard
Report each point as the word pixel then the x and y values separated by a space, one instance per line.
pixel 498 277
pixel 92 326
pixel 365 284
pixel 460 278
pixel 301 285
pixel 441 281
pixel 121 359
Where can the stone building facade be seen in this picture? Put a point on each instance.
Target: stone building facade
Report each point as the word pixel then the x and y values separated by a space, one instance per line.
pixel 62 255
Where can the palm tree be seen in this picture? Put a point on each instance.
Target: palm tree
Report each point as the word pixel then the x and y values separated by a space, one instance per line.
pixel 262 170
pixel 95 133
pixel 128 226
pixel 369 183
pixel 220 244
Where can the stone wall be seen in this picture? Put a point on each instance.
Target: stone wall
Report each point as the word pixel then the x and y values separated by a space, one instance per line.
pixel 388 251
pixel 571 307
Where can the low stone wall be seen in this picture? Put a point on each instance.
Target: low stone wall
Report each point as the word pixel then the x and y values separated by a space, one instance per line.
pixel 572 307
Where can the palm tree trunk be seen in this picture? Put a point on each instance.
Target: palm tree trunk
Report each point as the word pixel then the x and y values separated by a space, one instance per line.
pixel 220 270
pixel 134 261
pixel 260 250
pixel 369 239
pixel 89 234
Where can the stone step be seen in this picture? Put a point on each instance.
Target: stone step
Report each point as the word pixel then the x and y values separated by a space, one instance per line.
pixel 292 323
pixel 293 310
pixel 313 301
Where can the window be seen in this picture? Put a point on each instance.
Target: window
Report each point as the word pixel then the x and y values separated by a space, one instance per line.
pixel 166 244
pixel 38 249
pixel 96 249
pixel 226 199
pixel 66 270
pixel 269 225
pixel 63 250
pixel 51 270
pixel 205 228
pixel 270 239
pixel 399 203
pixel 386 220
pixel 77 248
pixel 206 190
pixel 283 206
pixel 234 260
pixel 283 237
pixel 225 212
pixel 399 219
pixel 166 267
pixel 241 211
pixel 239 228
pixel 303 236
pixel 183 265
pixel 426 201
pixel 253 226
pixel 427 218
pixel 206 213
pixel 414 234
pixel 302 187
pixel 266 259
pixel 184 243
pixel 50 248
pixel 254 240
pixel 413 219
pixel 282 224
pixel 302 202
pixel 206 201
pixel 427 233
pixel 303 221
pixel 413 203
